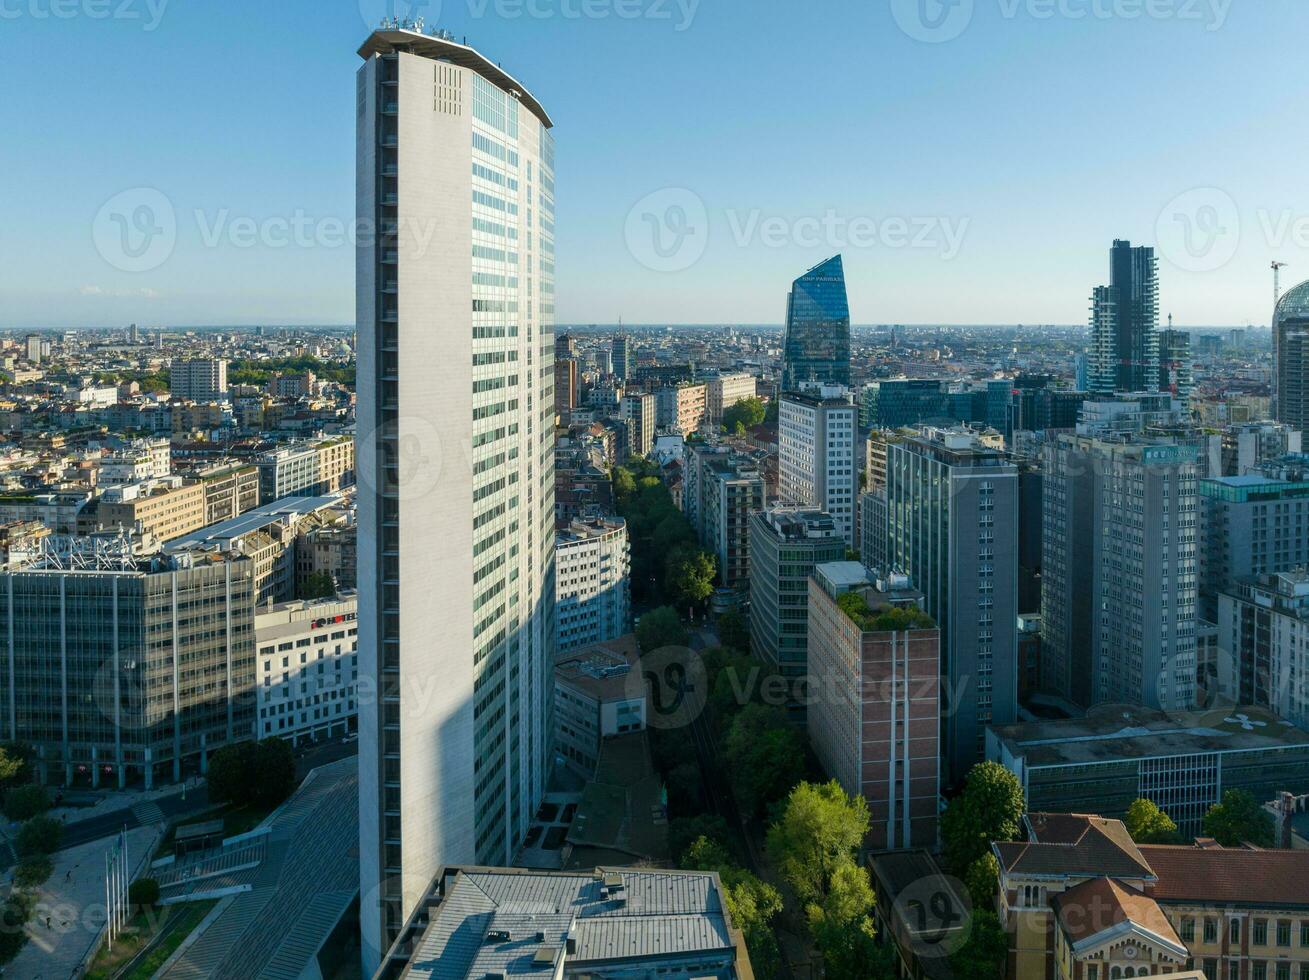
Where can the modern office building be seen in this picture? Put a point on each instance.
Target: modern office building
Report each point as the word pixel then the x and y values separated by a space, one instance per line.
pixel 565 346
pixel 1291 358
pixel 34 346
pixel 817 342
pixel 952 527
pixel 569 926
pixel 1263 625
pixel 199 380
pixel 621 350
pixel 872 528
pixel 785 545
pixel 310 469
pixel 122 668
pixel 1175 375
pixel 1119 575
pixel 733 488
pixel 1249 525
pixel 456 551
pixel 593 581
pixel 722 391
pixel 1183 761
pixel 874 714
pixel 308 657
pixel 1124 323
pixel 639 412
pixel 816 433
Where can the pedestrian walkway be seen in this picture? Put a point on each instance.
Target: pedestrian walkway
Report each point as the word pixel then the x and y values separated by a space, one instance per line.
pixel 70 910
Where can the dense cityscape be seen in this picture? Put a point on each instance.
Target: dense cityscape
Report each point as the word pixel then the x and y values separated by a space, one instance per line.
pixel 459 643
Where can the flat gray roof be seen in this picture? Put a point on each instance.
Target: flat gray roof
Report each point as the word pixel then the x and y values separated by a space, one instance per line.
pixel 253 520
pixel 1115 733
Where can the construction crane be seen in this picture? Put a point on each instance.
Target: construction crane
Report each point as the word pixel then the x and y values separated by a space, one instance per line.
pixel 1277 282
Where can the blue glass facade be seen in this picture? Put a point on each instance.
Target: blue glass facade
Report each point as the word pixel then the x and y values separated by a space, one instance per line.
pixel 817 327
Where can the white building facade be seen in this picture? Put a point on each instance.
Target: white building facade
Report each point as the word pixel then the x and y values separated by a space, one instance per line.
pixel 455 314
pixel 816 436
pixel 592 582
pixel 308 669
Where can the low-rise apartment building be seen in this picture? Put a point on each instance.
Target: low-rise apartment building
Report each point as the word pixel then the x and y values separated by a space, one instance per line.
pixel 166 508
pixel 596 698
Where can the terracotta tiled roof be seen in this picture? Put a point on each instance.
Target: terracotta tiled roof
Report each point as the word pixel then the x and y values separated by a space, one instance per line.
pixel 1229 875
pixel 1094 906
pixel 1074 844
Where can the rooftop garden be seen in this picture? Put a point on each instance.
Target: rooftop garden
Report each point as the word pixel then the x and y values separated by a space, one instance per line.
pixel 884 619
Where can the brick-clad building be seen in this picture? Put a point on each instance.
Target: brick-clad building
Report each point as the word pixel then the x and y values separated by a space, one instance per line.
pixel 1082 901
pixel 874 699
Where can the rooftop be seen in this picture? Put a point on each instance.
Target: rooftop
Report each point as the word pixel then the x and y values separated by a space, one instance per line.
pixel 1114 733
pixel 440 47
pixel 601 670
pixel 477 922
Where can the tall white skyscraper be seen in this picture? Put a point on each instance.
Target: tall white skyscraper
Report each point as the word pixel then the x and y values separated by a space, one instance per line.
pixel 816 435
pixel 455 311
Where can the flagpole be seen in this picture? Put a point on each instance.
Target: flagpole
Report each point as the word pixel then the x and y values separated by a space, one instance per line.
pixel 109 906
pixel 127 879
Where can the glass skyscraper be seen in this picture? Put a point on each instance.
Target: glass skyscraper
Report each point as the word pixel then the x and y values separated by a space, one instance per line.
pixel 1291 353
pixel 455 312
pixel 817 328
pixel 1125 322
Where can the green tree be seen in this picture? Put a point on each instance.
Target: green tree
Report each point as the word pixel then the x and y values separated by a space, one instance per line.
pixel 317 585
pixel 820 828
pixel 229 773
pixel 624 485
pixel 661 627
pixel 1150 825
pixel 983 881
pixel 32 872
pixel 260 774
pixel 15 911
pixel 982 956
pixel 745 414
pixel 273 777
pixel 842 925
pixel 143 893
pixel 1239 818
pixel 24 802
pixel 764 755
pixel 15 763
pixel 733 632
pixel 684 831
pixel 752 903
pixel 38 837
pixel 689 575
pixel 706 854
pixel 989 809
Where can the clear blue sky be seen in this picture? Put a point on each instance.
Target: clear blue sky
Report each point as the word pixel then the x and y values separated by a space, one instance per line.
pixel 1040 139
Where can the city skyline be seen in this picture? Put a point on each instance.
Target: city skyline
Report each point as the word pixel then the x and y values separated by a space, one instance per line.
pixel 237 183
